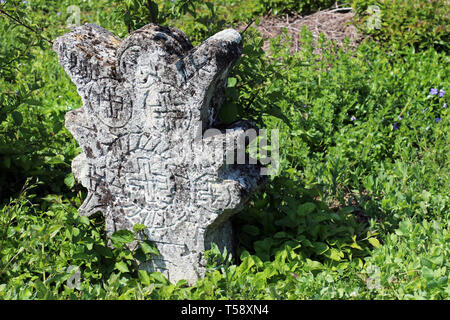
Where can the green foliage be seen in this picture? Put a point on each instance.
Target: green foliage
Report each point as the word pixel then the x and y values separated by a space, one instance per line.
pixel 290 6
pixel 33 140
pixel 359 209
pixel 420 23
pixel 201 19
pixel 423 274
pixel 138 13
pixel 39 242
pixel 288 215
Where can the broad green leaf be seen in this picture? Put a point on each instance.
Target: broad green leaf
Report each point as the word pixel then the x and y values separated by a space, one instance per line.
pixel 374 242
pixel 69 180
pixel 75 232
pixel 246 264
pixel 59 159
pixel 250 229
pixel 232 82
pixel 347 210
pixel 139 227
pixel 262 248
pixel 158 277
pixel 427 273
pixel 442 280
pixel 181 283
pixel 439 260
pixel 426 263
pixel 281 235
pixel 53 230
pixel 313 265
pixel 104 251
pixel 17 118
pixel 335 254
pixel 144 277
pixel 122 237
pixel 320 247
pixel 122 266
pixel 85 220
pixel 306 208
pixel 149 248
pixel 355 246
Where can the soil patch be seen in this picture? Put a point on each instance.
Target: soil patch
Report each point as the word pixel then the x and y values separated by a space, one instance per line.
pixel 334 23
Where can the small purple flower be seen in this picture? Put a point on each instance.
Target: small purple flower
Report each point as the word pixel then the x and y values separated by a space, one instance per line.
pixel 2 1
pixel 441 93
pixel 395 126
pixel 58 13
pixel 437 119
pixel 399 118
pixel 433 91
pixel 353 118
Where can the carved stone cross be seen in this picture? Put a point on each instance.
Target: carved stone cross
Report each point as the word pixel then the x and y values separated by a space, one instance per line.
pixel 148 101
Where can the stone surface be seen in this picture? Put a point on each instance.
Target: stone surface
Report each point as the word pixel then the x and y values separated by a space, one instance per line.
pixel 150 155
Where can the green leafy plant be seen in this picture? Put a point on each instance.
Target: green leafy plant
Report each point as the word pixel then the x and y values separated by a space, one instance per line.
pixel 401 22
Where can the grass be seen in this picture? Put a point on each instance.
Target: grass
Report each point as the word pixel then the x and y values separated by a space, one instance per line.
pixel 359 210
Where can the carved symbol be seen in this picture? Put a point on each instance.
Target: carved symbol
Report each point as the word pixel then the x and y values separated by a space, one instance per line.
pixel 110 103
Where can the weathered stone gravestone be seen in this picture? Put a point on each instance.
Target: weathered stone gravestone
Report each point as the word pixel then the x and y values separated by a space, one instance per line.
pixel 147 102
